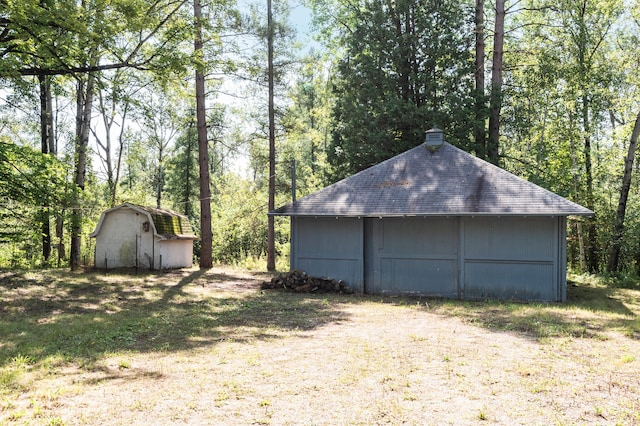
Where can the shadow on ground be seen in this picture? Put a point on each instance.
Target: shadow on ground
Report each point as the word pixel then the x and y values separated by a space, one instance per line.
pixel 84 316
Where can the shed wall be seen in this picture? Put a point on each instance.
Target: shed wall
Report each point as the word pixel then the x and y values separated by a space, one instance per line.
pixel 119 239
pixel 122 240
pixel 175 254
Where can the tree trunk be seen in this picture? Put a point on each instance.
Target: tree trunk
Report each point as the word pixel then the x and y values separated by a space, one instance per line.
pixel 60 237
pixel 121 139
pixel 576 186
pixel 47 147
pixel 206 235
pixel 160 173
pixel 186 200
pixel 495 101
pixel 84 105
pixel 480 107
pixel 107 119
pixel 618 230
pixel 592 232
pixel 271 234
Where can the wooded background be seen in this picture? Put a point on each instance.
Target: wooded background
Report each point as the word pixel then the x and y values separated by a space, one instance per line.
pixel 165 103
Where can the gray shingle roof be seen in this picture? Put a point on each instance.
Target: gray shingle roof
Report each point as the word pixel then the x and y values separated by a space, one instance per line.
pixel 419 182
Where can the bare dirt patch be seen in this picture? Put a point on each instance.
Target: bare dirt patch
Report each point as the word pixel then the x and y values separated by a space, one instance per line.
pixel 211 347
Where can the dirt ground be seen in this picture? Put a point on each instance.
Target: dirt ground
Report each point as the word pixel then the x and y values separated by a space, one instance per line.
pixel 292 359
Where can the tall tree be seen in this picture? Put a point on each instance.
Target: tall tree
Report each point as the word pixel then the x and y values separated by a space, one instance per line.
pixel 159 114
pixel 48 146
pixel 267 85
pixel 182 171
pixel 114 105
pixel 587 24
pixel 307 124
pixel 206 259
pixel 616 245
pixel 495 100
pixel 271 250
pixel 404 67
pixel 559 100
pixel 84 105
pixel 627 58
pixel 480 107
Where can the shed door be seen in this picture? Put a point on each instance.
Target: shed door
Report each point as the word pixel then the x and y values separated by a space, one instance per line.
pixel 412 255
pixel 329 247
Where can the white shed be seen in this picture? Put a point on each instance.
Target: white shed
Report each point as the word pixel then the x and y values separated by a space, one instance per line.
pixel 129 236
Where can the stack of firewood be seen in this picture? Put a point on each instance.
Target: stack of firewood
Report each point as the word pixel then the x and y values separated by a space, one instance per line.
pixel 300 281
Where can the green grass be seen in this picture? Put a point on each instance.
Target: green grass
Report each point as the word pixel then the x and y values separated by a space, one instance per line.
pixel 103 325
pixel 53 316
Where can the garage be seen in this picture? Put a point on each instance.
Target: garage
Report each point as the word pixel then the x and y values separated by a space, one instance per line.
pixel 435 221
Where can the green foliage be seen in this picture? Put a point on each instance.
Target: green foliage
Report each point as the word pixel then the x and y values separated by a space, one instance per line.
pixel 563 107
pixel 29 180
pixel 307 125
pixel 63 36
pixel 29 177
pixel 629 280
pixel 182 173
pixel 405 67
pixel 240 223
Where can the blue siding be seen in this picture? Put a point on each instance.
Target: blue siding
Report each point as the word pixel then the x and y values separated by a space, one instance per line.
pixel 509 280
pixel 328 247
pixel 468 257
pixel 433 277
pixel 511 258
pixel 412 255
pixel 510 238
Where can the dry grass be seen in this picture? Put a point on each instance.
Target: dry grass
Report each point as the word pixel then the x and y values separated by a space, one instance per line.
pixel 209 347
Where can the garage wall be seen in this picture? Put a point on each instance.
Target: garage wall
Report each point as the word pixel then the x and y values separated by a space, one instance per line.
pixel 329 247
pixel 457 257
pixel 511 258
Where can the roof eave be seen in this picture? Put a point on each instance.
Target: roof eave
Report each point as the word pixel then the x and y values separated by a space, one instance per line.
pixel 167 237
pixel 439 214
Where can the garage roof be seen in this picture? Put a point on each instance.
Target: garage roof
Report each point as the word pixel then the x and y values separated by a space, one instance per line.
pixel 421 182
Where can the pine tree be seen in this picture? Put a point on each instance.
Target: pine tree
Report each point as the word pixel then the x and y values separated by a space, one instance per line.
pixel 406 67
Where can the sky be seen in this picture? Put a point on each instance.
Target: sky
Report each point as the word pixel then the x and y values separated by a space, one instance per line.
pixel 300 18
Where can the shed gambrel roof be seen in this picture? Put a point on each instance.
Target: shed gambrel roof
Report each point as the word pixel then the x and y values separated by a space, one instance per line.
pixel 167 224
pixel 419 182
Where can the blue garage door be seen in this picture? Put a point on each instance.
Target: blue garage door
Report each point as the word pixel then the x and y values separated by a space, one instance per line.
pixel 412 256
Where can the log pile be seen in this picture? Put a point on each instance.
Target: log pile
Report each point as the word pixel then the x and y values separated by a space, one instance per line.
pixel 301 282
